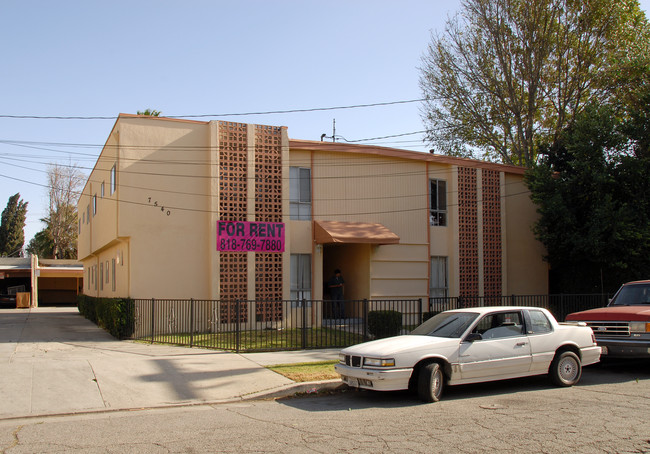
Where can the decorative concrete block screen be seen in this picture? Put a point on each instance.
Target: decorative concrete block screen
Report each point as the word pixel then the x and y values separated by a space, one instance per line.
pixel 234 179
pixel 491 190
pixel 468 231
pixel 268 208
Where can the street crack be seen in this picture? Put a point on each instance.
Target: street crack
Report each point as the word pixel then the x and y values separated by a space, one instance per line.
pixel 16 440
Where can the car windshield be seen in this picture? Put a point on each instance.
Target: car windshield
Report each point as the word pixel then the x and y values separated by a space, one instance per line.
pixel 632 294
pixel 446 324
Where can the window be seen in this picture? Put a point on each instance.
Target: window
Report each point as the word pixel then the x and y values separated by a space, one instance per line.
pixel 438 213
pixel 300 277
pixel 113 178
pixel 113 272
pixel 101 190
pixel 539 323
pixel 300 193
pixel 438 282
pixel 94 204
pixel 446 324
pixel 107 273
pixel 499 325
pixel 101 276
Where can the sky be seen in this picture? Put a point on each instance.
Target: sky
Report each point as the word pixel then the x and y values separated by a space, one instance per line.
pixel 203 57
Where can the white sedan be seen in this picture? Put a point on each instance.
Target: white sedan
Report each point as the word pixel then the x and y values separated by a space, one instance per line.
pixel 470 346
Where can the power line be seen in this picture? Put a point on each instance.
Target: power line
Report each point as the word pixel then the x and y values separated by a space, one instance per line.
pixel 383 137
pixel 233 114
pixel 390 174
pixel 196 210
pixel 38 145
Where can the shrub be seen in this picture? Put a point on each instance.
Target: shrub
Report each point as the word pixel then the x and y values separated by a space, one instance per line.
pixel 115 315
pixel 384 323
pixel 427 315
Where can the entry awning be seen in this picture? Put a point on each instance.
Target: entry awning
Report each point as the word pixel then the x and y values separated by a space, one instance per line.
pixel 329 232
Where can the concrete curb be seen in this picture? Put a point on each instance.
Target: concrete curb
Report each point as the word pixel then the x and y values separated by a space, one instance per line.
pixel 270 394
pixel 297 388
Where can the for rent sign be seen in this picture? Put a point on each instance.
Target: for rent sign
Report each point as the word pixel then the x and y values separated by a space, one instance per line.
pixel 234 236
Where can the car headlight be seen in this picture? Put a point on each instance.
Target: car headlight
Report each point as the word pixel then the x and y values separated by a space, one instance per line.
pixel 379 362
pixel 639 327
pixel 342 358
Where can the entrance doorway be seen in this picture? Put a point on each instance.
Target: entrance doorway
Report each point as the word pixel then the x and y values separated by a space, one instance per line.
pixel 354 262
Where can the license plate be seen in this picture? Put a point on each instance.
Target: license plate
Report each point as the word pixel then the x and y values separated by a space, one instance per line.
pixel 367 383
pixel 603 350
pixel 351 382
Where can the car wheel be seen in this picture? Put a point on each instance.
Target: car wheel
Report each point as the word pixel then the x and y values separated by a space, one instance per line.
pixel 566 369
pixel 430 382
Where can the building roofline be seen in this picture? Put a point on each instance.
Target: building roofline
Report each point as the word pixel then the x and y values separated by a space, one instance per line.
pixel 338 147
pixel 151 117
pixel 125 116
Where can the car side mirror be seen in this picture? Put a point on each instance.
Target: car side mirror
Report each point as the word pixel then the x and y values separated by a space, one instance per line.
pixel 471 337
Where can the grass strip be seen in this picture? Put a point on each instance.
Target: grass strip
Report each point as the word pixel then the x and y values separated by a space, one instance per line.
pixel 264 340
pixel 302 372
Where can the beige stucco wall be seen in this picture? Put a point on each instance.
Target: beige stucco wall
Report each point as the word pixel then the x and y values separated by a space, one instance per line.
pixel 444 239
pixel 157 221
pixel 385 190
pixel 160 224
pixel 164 212
pixel 164 185
pixel 100 228
pixel 98 238
pixel 525 268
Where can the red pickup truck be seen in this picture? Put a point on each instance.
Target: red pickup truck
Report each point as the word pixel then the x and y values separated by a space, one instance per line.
pixel 622 328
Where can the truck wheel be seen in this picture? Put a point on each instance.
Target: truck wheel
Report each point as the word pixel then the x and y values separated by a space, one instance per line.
pixel 565 369
pixel 430 382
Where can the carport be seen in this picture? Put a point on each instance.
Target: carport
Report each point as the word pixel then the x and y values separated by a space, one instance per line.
pixel 15 277
pixel 58 282
pixel 47 282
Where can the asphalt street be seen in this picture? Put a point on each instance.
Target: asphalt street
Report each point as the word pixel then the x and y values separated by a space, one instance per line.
pixel 608 412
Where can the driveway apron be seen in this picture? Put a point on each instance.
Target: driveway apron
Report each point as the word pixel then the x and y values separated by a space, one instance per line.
pixel 54 361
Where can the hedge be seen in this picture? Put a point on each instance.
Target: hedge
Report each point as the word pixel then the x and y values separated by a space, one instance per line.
pixel 384 323
pixel 115 315
pixel 427 315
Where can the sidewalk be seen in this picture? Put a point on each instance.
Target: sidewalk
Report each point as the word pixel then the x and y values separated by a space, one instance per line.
pixel 54 361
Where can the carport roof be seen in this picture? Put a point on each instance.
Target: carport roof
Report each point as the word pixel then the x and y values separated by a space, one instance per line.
pixel 330 232
pixel 13 263
pixel 22 263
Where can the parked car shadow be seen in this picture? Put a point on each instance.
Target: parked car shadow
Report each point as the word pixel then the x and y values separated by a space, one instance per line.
pixel 607 372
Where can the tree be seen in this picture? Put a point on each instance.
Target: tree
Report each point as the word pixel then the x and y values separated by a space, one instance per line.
pixel 593 197
pixel 64 183
pixel 150 112
pixel 509 75
pixel 12 227
pixel 41 245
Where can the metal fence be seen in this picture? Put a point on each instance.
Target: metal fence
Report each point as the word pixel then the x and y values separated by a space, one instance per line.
pixel 559 305
pixel 261 325
pixel 307 324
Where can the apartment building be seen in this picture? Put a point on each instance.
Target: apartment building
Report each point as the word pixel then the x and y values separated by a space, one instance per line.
pixel 229 211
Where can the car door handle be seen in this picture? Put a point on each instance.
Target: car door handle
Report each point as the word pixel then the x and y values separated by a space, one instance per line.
pixel 521 344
